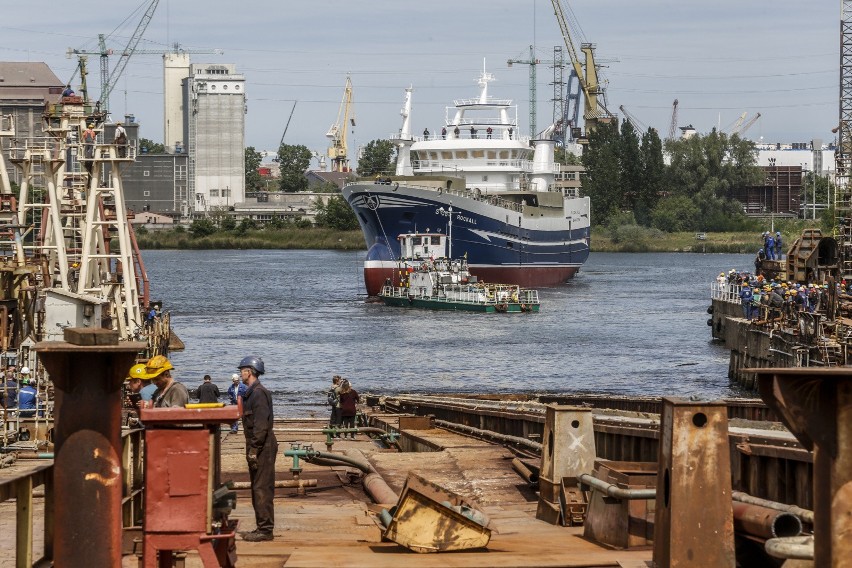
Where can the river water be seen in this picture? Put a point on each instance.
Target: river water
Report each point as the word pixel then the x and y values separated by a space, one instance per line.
pixel 627 323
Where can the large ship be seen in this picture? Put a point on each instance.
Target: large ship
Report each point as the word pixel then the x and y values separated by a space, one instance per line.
pixel 510 220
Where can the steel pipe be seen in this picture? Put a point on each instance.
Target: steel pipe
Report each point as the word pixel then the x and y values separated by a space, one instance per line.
pixel 804 514
pixel 525 472
pixel 791 547
pixel 536 446
pixel 615 491
pixel 374 485
pixel 764 522
pixel 279 484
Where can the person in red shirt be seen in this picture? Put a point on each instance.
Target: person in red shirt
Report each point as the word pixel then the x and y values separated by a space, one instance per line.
pixel 348 402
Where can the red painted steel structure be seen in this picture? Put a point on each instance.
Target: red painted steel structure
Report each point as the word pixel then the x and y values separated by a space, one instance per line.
pixel 87 430
pixel 181 457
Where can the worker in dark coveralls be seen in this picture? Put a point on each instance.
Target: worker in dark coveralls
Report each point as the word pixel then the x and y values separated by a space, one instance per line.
pixel 261 447
pixel 208 392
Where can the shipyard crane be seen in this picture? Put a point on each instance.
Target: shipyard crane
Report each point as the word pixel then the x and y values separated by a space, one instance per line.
pixel 749 124
pixel 286 127
pixel 338 151
pixel 109 80
pixel 638 126
pixel 595 111
pixel 737 124
pixel 673 123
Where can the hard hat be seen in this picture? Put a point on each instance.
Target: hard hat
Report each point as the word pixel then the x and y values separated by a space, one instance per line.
pixel 118 123
pixel 156 366
pixel 254 362
pixel 91 125
pixel 137 372
pixel 778 233
pixel 25 370
pixel 235 377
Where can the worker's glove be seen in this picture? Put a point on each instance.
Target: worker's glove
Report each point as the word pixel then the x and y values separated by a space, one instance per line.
pixel 251 458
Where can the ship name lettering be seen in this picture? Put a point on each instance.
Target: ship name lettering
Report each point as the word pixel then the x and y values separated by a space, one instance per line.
pixel 466 219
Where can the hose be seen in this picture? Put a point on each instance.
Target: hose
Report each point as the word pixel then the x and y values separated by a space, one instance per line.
pixel 791 547
pixel 374 485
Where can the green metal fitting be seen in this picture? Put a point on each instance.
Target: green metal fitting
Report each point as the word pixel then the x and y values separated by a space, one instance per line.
pixel 297 451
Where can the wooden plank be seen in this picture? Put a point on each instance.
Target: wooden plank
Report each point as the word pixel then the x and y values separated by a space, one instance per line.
pixel 24 523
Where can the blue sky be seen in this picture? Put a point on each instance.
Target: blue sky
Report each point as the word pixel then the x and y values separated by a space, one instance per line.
pixel 718 59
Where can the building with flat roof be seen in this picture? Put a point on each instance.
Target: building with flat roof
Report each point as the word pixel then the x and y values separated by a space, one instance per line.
pixel 214 117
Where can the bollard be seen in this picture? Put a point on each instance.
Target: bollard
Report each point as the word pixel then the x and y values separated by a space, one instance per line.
pixel 88 369
pixel 816 405
pixel 568 450
pixel 693 523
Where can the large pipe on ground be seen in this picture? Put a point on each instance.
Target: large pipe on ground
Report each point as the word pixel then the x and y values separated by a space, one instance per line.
pixel 536 446
pixel 525 471
pixel 804 514
pixel 764 522
pixel 375 486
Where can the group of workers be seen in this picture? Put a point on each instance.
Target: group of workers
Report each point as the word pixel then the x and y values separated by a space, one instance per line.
pixel 772 247
pixel 342 399
pixel 89 137
pixel 20 393
pixel 473 132
pixel 768 299
pixel 163 391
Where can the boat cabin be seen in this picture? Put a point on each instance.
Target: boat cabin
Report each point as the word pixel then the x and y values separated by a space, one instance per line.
pixel 423 245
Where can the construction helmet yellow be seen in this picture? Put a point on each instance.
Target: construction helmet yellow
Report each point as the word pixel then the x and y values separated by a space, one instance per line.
pixel 137 372
pixel 156 366
pixel 91 125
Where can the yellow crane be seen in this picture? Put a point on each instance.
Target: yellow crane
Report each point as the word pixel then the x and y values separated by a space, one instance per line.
pixel 594 111
pixel 337 149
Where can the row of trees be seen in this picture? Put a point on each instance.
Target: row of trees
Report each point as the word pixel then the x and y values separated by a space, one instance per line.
pixel 626 172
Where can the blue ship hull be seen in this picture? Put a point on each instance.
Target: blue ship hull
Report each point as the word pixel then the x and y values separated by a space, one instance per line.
pixel 505 245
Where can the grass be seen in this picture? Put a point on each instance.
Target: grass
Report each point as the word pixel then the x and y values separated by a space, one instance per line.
pixel 289 238
pixel 745 242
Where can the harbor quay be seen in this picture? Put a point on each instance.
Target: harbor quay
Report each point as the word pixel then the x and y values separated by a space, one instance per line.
pixel 474 480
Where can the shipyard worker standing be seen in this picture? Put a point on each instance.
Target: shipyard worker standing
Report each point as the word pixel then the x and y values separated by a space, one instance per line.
pixel 120 140
pixel 27 396
pixel 426 134
pixel 134 384
pixel 333 400
pixel 89 142
pixel 10 388
pixel 770 247
pixel 169 393
pixel 261 447
pixel 488 132
pixel 746 298
pixel 208 392
pixel 778 245
pixel 444 133
pixel 348 402
pixel 236 391
pixel 510 133
pixel 472 132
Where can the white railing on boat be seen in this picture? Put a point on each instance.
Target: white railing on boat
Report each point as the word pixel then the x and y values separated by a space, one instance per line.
pixel 475 164
pixel 726 292
pixel 488 102
pixel 494 294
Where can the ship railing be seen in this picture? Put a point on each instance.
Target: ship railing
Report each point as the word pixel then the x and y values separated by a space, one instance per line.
pixel 726 292
pixel 477 101
pixel 473 164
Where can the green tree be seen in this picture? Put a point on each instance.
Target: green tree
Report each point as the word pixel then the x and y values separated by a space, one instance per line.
pixel 629 159
pixel 675 213
pixel 336 214
pixel 202 227
pixel 245 225
pixel 148 147
pixel 603 174
pixel 253 159
pixel 653 175
pixel 293 161
pixel 561 156
pixel 377 158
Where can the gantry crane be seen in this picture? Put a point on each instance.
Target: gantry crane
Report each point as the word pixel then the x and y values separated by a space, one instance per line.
pixel 594 110
pixel 673 122
pixel 337 148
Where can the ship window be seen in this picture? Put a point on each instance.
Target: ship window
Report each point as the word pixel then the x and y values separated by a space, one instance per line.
pixel 477 153
pixel 447 155
pixel 504 154
pixel 436 240
pixel 492 155
pixel 461 155
pixel 510 245
pixel 415 240
pixel 433 155
pixel 484 178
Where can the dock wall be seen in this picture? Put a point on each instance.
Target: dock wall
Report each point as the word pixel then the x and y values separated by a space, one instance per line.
pixel 766 463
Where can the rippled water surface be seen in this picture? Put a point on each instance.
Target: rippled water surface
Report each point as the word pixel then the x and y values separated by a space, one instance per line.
pixel 628 324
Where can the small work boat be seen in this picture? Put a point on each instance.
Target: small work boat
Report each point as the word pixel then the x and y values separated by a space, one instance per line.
pixel 427 278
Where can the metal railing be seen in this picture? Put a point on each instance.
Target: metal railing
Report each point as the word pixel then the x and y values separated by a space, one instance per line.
pixel 20 489
pixel 726 292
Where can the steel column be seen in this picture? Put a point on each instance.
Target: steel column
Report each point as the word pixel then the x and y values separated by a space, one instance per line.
pixel 816 405
pixel 87 466
pixel 693 524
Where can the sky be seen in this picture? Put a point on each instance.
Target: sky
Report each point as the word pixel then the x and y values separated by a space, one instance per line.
pixel 719 59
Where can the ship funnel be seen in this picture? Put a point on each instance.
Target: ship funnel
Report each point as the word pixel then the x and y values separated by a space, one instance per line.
pixel 543 161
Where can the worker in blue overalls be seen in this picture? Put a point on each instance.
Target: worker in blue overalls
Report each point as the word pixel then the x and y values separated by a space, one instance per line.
pixel 746 297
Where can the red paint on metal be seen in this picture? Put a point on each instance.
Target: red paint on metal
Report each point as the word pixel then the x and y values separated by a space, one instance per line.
pixel 527 276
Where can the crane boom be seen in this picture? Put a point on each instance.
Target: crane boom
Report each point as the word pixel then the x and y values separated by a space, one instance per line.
pixel 749 124
pixel 128 51
pixel 588 78
pixel 673 123
pixel 337 149
pixel 639 127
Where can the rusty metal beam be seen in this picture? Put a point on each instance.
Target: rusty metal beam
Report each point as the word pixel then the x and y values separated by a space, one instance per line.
pixel 87 467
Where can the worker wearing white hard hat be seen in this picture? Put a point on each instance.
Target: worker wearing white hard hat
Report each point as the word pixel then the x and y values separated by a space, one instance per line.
pixel 236 391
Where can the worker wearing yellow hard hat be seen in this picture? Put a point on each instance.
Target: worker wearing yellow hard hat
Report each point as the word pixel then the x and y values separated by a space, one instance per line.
pixel 137 390
pixel 169 393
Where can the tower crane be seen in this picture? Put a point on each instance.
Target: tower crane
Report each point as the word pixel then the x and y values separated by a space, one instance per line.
pixel 673 123
pixel 595 111
pixel 109 80
pixel 337 148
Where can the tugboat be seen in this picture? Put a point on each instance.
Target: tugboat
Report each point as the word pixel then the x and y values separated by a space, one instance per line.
pixel 429 278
